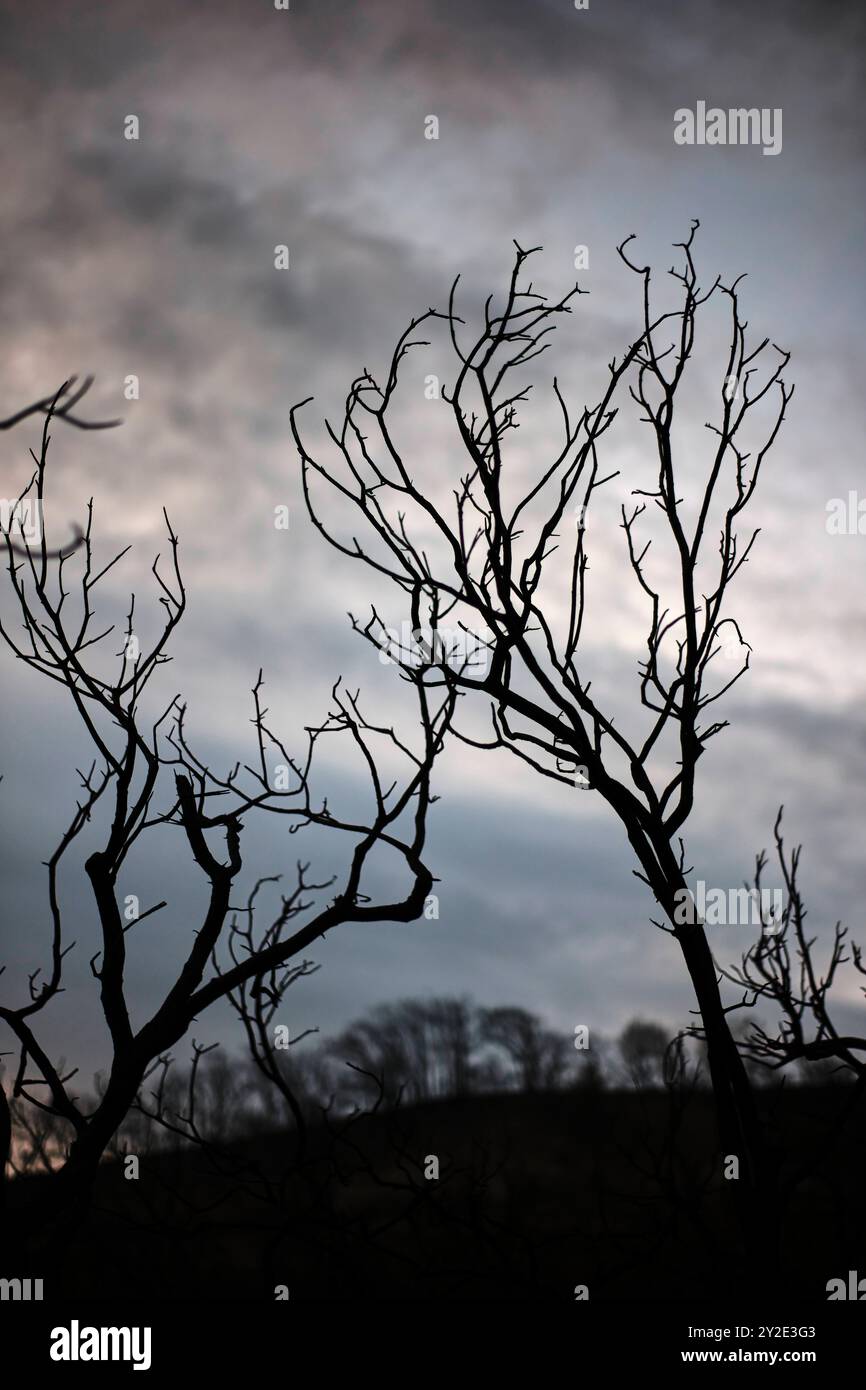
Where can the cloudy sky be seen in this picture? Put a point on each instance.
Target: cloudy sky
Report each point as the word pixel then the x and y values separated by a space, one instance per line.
pixel 155 258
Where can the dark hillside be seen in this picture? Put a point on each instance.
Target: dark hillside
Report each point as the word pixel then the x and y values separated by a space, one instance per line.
pixel 536 1194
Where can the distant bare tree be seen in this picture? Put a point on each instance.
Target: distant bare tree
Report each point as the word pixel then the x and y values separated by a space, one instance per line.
pixel 453 1027
pixel 537 1054
pixel 421 1048
pixel 643 1046
pixel 476 552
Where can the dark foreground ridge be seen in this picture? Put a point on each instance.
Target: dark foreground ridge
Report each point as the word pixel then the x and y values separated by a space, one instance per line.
pixel 537 1196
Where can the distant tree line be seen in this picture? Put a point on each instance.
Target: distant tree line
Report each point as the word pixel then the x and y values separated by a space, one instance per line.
pixel 403 1053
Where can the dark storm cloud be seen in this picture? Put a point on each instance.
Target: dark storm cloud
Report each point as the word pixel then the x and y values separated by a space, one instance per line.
pixel 85 46
pixel 155 193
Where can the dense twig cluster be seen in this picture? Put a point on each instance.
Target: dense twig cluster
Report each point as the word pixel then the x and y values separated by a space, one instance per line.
pixel 780 969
